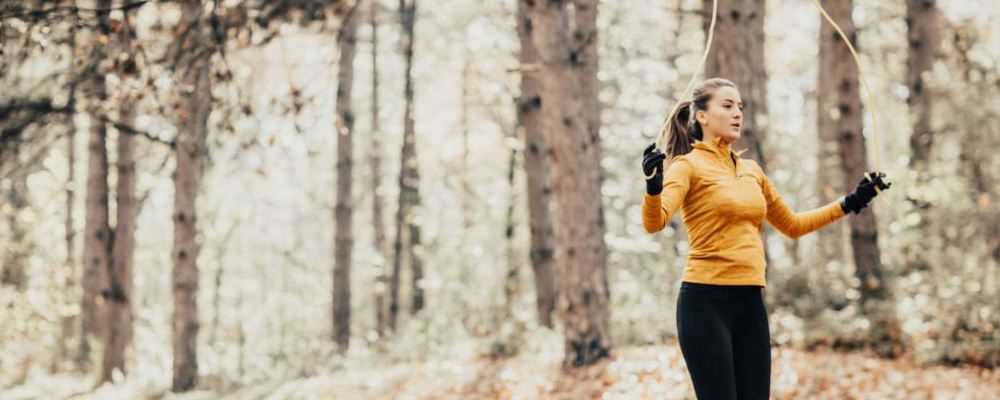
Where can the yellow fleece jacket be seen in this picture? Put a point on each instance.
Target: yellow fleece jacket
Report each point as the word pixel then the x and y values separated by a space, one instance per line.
pixel 724 200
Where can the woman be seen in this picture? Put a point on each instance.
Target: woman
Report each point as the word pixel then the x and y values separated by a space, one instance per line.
pixel 721 320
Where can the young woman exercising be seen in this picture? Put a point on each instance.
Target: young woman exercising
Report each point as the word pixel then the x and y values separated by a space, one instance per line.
pixel 721 319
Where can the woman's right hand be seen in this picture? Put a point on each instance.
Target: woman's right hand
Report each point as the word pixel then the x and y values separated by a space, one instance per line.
pixel 652 168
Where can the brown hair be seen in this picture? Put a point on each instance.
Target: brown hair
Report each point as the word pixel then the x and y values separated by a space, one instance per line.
pixel 681 129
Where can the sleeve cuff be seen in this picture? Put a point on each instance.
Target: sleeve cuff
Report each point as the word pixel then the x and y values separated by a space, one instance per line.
pixel 842 203
pixel 651 199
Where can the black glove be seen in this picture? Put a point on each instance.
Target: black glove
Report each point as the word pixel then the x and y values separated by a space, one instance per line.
pixel 867 189
pixel 652 168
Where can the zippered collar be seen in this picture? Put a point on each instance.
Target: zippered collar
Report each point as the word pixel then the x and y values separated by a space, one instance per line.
pixel 722 152
pixel 716 146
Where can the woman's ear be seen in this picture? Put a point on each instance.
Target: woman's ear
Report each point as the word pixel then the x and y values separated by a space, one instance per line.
pixel 701 117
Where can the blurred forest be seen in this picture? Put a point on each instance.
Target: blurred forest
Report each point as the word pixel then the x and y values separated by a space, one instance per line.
pixel 412 199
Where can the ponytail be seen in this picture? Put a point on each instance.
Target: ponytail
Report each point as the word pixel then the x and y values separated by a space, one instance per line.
pixel 681 130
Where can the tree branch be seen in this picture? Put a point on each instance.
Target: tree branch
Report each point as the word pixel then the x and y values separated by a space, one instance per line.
pixel 130 130
pixel 37 15
pixel 41 108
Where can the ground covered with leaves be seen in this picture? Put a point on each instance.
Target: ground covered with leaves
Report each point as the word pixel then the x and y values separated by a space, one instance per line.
pixel 658 372
pixel 649 372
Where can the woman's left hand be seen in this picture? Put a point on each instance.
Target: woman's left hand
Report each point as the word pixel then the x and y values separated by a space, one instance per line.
pixel 867 189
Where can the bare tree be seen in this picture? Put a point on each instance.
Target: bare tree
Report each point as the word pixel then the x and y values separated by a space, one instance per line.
pixel 68 321
pixel 529 105
pixel 344 213
pixel 69 282
pixel 923 22
pixel 375 159
pixel 832 241
pixel 192 71
pixel 412 186
pixel 512 282
pixel 118 294
pixel 97 232
pixel 409 181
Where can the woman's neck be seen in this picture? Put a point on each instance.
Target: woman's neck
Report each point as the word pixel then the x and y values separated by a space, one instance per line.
pixel 714 139
pixel 711 138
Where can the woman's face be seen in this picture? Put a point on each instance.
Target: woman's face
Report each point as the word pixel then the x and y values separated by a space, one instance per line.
pixel 724 117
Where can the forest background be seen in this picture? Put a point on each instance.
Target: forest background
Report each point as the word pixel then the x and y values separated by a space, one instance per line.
pixel 293 198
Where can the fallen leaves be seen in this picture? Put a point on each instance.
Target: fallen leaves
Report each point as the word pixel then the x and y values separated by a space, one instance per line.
pixel 658 372
pixel 650 372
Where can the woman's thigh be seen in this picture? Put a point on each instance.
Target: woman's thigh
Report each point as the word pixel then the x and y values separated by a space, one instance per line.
pixel 752 350
pixel 706 343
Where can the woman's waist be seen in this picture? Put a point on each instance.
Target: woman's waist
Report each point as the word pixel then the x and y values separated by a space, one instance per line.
pixel 720 290
pixel 745 252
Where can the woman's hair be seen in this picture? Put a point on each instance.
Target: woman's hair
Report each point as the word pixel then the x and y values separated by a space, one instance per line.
pixel 681 128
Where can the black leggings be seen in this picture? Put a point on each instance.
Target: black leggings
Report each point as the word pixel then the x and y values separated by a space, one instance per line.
pixel 725 340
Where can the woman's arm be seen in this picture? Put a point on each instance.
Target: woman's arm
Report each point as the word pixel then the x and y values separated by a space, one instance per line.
pixel 795 224
pixel 657 209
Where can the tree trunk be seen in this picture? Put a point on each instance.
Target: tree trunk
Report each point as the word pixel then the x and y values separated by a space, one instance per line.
pixel 409 181
pixel 829 171
pixel 511 331
pixel 412 165
pixel 397 254
pixel 844 101
pixel 584 34
pixel 344 240
pixel 923 21
pixel 241 338
pixel 19 247
pixel 529 107
pixel 580 248
pixel 585 42
pixel 512 283
pixel 191 148
pixel 375 158
pixel 97 239
pixel 466 194
pixel 836 61
pixel 68 321
pixel 118 294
